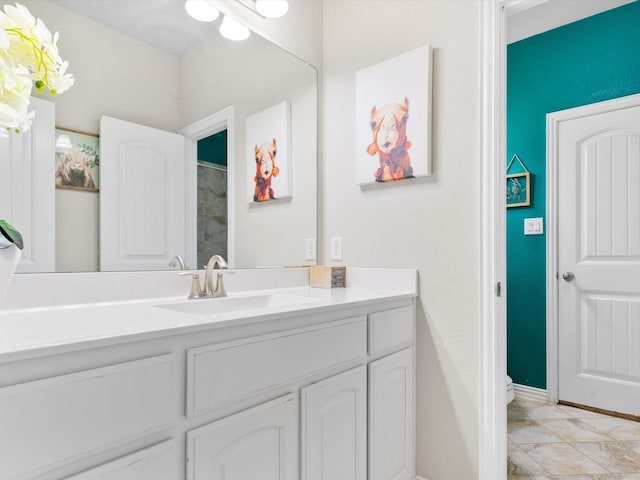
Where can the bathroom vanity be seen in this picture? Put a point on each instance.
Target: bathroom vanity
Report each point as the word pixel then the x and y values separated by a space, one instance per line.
pixel 281 383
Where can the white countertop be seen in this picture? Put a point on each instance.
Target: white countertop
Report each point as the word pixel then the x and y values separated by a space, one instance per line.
pixel 47 329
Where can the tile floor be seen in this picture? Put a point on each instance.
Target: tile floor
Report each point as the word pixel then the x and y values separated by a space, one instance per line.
pixel 557 442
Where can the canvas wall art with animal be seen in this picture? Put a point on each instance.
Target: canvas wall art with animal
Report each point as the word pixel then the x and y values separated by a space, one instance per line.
pixel 73 170
pixel 77 160
pixel 393 118
pixel 389 126
pixel 268 134
pixel 266 169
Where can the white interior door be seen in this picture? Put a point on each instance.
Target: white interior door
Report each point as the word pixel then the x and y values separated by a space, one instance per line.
pixel 27 188
pixel 599 257
pixel 142 196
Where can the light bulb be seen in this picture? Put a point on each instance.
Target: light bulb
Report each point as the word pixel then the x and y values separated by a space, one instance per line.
pixel 272 8
pixel 201 10
pixel 233 30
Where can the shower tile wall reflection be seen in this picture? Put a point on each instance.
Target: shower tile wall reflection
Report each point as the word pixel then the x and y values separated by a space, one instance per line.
pixel 212 212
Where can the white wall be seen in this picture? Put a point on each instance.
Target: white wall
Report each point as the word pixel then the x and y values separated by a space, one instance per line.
pixel 430 224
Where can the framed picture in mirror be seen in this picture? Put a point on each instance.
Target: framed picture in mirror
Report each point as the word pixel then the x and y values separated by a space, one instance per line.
pixel 268 153
pixel 77 160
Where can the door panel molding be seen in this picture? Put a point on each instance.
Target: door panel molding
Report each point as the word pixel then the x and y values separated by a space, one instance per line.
pixel 554 121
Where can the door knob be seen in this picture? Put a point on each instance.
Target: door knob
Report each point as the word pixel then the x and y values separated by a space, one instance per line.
pixel 568 276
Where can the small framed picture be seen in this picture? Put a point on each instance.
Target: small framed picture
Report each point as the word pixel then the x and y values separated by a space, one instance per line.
pixel 519 190
pixel 77 160
pixel 268 153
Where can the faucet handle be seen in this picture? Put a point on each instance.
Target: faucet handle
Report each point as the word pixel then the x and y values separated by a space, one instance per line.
pixel 196 290
pixel 219 290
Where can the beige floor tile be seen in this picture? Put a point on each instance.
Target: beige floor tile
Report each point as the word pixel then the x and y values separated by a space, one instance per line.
pixel 515 413
pixel 530 431
pixel 562 459
pixel 529 477
pixel 526 403
pixel 616 457
pixel 570 443
pixel 607 476
pixel 616 428
pixel 519 464
pixel 547 410
pixel 581 412
pixel 573 430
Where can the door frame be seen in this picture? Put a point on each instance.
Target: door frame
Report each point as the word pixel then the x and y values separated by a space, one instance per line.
pixel 554 120
pixel 492 412
pixel 205 127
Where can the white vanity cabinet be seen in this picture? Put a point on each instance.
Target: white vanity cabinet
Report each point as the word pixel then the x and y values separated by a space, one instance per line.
pixel 158 462
pixel 334 427
pixel 322 395
pixel 261 442
pixel 391 436
pixel 391 394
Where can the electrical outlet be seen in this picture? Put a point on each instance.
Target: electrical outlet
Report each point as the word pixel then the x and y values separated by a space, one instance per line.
pixel 310 249
pixel 336 248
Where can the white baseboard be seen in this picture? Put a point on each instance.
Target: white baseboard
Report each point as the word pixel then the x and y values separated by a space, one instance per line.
pixel 530 393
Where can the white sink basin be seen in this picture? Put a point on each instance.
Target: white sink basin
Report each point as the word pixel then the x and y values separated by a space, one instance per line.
pixel 211 306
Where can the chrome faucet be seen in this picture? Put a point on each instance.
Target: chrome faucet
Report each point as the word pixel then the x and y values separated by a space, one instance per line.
pixel 217 289
pixel 210 289
pixel 178 261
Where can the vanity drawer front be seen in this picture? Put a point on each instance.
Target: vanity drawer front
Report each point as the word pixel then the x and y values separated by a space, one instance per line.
pixel 159 462
pixel 52 422
pixel 227 372
pixel 390 329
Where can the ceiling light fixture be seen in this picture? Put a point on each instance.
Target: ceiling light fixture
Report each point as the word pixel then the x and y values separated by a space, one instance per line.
pixel 272 8
pixel 233 30
pixel 201 10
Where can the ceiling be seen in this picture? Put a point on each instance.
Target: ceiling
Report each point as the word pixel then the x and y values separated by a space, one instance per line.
pixel 531 17
pixel 162 23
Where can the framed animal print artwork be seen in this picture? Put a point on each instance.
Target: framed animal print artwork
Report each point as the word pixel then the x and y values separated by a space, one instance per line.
pixel 393 118
pixel 77 160
pixel 269 154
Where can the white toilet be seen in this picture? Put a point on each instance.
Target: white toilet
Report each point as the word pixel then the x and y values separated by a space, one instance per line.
pixel 510 393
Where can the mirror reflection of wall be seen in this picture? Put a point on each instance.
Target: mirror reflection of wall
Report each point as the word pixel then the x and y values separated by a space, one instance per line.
pixel 124 78
pixel 212 197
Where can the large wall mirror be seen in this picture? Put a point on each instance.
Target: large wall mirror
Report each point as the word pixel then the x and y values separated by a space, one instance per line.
pixel 184 73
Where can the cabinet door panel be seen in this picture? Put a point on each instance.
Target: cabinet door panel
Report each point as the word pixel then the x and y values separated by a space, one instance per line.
pixel 334 427
pixel 390 329
pixel 391 417
pixel 159 462
pixel 260 363
pixel 261 442
pixel 55 421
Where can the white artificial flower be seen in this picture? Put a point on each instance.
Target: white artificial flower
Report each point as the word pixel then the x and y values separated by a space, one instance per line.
pixel 4 40
pixel 28 57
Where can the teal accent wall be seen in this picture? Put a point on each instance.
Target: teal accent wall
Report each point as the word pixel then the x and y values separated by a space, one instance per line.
pixel 589 61
pixel 213 149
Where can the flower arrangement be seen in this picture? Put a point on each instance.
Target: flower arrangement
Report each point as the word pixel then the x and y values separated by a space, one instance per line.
pixel 28 57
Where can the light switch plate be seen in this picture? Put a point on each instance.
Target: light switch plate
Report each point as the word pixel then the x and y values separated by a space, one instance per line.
pixel 310 249
pixel 533 226
pixel 336 248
